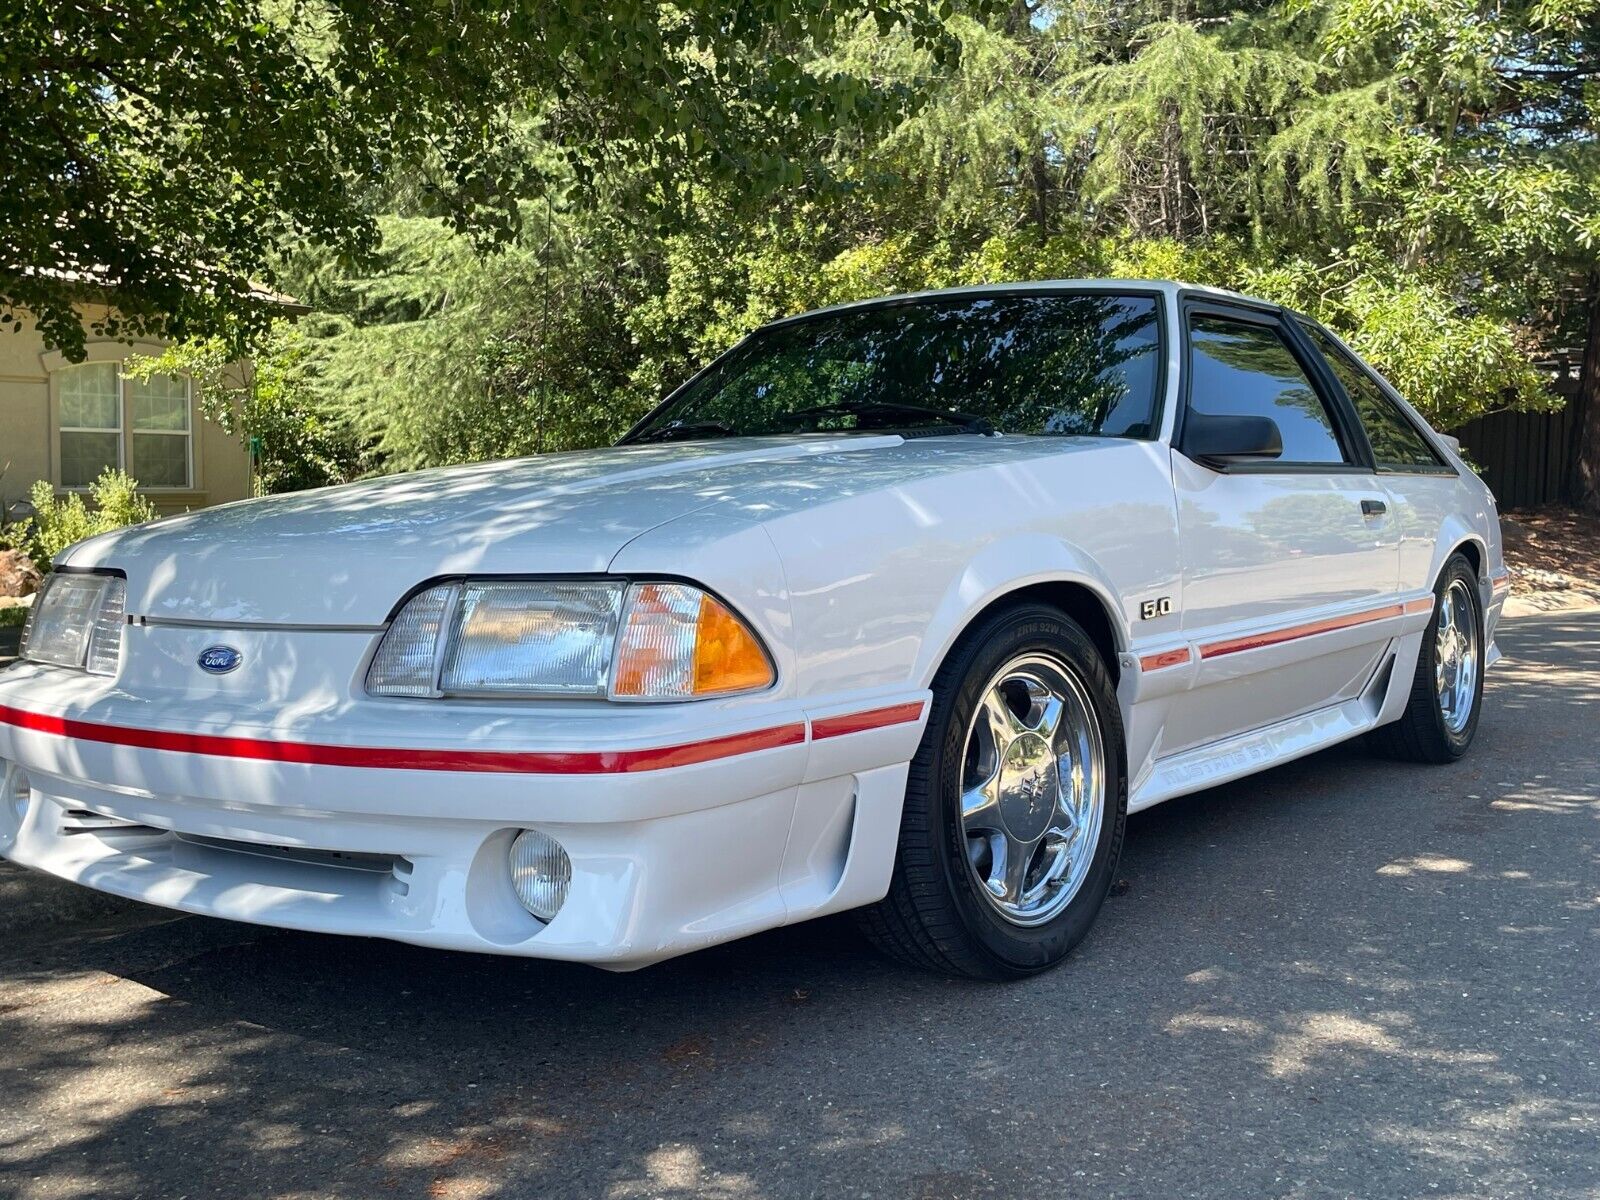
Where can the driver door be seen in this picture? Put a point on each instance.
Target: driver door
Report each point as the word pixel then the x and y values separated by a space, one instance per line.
pixel 1290 566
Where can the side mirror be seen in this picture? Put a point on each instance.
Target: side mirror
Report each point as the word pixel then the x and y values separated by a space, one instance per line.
pixel 1221 442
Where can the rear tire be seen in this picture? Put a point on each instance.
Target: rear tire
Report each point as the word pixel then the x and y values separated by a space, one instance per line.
pixel 1016 804
pixel 1441 714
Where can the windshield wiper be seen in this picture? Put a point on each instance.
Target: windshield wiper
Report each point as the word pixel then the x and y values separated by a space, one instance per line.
pixel 676 430
pixel 965 422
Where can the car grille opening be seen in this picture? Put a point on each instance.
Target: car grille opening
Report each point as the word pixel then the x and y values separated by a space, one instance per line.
pixel 389 872
pixel 83 820
pixel 347 860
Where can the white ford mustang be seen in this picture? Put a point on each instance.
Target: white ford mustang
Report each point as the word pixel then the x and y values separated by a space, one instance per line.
pixel 903 605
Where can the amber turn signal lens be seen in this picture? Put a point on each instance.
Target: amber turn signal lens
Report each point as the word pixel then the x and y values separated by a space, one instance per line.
pixel 677 643
pixel 727 657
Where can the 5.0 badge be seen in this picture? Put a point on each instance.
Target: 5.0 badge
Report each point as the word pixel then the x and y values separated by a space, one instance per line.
pixel 1161 606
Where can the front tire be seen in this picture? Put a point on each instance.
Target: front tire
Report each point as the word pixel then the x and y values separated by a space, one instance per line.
pixel 1016 804
pixel 1441 713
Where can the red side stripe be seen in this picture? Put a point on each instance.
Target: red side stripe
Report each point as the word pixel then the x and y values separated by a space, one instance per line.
pixel 1167 658
pixel 873 718
pixel 1291 633
pixel 1425 604
pixel 547 762
pixel 558 762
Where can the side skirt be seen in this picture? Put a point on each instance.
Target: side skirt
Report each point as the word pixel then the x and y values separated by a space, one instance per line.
pixel 1246 753
pixel 1283 741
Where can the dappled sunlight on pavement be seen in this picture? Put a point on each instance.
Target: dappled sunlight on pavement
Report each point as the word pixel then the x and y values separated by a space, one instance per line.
pixel 1347 977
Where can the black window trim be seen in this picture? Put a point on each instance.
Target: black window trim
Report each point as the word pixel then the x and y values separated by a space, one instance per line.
pixel 1347 426
pixel 1156 296
pixel 1389 393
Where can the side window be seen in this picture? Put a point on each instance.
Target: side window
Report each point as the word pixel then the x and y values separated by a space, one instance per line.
pixel 1238 368
pixel 1396 444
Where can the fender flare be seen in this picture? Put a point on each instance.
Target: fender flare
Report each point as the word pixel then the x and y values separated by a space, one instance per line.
pixel 1010 566
pixel 1453 535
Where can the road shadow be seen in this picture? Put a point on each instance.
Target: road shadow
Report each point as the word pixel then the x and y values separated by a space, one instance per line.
pixel 1344 977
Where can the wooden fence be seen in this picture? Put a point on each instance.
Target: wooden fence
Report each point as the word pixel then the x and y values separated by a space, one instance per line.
pixel 1527 458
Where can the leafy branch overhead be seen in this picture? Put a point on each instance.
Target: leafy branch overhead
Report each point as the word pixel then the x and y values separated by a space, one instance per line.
pixel 1269 150
pixel 518 225
pixel 173 149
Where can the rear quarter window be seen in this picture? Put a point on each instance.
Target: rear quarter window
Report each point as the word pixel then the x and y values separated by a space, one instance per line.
pixel 1397 444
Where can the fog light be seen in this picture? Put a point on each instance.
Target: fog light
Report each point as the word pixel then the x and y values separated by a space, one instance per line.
pixel 541 872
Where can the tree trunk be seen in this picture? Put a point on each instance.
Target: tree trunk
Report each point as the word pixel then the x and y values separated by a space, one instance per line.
pixel 1041 194
pixel 1419 236
pixel 1586 471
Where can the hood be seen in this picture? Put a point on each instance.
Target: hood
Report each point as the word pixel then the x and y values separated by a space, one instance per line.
pixel 347 555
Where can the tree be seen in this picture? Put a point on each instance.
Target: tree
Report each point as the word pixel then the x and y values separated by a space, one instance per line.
pixel 269 402
pixel 1586 466
pixel 171 149
pixel 1175 132
pixel 1252 145
pixel 1475 136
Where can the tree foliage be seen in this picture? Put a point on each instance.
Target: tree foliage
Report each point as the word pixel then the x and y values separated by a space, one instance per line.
pixel 171 149
pixel 1312 152
pixel 1421 175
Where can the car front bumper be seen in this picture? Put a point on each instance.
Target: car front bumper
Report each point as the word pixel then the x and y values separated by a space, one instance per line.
pixel 676 842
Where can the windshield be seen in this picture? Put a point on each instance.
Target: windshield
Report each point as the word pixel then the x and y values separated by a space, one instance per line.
pixel 1075 363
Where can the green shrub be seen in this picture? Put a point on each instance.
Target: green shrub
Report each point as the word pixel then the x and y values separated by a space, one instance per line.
pixel 13 615
pixel 57 524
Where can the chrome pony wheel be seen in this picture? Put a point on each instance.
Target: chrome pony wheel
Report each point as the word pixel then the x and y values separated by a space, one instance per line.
pixel 1456 656
pixel 1033 789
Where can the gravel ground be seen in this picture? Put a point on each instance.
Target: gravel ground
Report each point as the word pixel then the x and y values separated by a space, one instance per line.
pixel 1342 978
pixel 1554 556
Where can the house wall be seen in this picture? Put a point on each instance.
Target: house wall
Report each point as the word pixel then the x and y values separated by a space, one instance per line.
pixel 24 415
pixel 28 443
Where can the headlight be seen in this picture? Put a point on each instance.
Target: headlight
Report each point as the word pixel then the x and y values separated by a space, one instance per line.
pixel 604 638
pixel 76 621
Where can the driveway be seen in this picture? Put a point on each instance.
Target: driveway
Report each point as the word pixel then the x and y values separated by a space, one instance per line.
pixel 1344 978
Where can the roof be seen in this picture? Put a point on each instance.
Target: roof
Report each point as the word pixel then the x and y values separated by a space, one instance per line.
pixel 101 279
pixel 1167 287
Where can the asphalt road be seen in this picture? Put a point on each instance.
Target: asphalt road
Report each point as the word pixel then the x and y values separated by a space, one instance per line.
pixel 1343 978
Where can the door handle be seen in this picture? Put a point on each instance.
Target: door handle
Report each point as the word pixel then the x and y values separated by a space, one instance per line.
pixel 1373 508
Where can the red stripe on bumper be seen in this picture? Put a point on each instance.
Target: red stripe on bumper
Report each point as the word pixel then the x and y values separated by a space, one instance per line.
pixel 557 762
pixel 516 762
pixel 873 718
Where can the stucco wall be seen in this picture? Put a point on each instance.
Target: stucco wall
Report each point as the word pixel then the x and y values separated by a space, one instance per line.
pixel 24 414
pixel 27 433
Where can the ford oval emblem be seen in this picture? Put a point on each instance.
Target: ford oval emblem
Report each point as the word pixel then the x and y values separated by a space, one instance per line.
pixel 219 660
